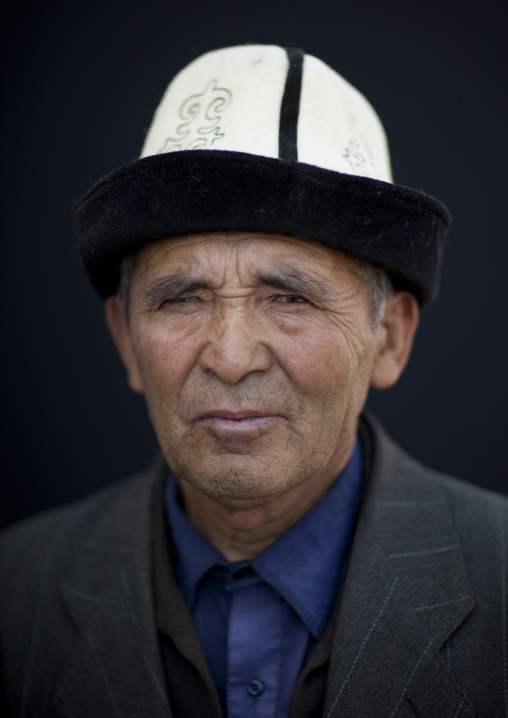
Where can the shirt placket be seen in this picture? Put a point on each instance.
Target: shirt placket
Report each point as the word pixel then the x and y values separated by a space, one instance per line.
pixel 255 644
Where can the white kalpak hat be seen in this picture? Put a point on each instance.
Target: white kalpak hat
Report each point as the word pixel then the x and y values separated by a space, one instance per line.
pixel 262 138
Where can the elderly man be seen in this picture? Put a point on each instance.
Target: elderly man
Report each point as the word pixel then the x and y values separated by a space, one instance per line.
pixel 284 557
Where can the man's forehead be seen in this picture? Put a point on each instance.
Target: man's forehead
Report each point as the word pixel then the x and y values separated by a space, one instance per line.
pixel 203 246
pixel 232 238
pixel 255 250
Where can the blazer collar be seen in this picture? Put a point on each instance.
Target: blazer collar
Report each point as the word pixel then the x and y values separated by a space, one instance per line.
pixel 108 594
pixel 406 591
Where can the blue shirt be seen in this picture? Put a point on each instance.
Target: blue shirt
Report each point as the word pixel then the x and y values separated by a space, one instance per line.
pixel 259 620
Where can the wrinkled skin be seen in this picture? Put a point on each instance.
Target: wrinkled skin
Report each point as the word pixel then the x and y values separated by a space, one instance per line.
pixel 255 354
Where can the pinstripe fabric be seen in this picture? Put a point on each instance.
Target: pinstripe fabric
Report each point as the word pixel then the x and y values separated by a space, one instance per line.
pixel 421 629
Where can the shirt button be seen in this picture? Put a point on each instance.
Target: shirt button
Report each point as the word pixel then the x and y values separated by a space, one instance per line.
pixel 255 687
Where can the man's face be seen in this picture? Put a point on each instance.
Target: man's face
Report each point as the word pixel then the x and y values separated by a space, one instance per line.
pixel 255 354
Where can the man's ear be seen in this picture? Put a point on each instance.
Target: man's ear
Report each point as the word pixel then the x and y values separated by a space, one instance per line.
pixel 397 330
pixel 117 325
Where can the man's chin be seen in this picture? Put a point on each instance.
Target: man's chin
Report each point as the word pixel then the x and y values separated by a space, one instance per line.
pixel 238 479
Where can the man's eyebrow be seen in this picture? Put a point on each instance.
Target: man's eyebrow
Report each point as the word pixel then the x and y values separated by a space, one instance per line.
pixel 173 286
pixel 287 279
pixel 296 282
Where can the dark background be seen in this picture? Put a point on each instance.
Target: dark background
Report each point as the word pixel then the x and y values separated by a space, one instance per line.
pixel 80 82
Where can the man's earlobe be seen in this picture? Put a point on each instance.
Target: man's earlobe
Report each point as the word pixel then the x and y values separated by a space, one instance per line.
pixel 118 327
pixel 397 330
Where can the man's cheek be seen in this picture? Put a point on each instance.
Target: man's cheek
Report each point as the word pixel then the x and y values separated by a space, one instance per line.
pixel 164 362
pixel 315 363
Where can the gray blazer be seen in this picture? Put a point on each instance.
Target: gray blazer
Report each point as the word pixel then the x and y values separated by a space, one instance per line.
pixel 421 629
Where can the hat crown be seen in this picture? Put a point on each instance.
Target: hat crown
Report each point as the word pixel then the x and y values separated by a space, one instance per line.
pixel 234 99
pixel 258 138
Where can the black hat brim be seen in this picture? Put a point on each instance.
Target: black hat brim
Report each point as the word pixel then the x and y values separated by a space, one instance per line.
pixel 394 227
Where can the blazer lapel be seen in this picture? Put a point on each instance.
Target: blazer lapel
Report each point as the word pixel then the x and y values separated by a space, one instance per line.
pixel 115 668
pixel 406 591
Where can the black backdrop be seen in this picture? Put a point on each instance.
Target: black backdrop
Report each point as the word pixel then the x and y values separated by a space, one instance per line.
pixel 79 84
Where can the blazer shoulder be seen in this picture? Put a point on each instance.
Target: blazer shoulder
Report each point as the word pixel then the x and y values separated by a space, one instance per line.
pixel 463 492
pixel 393 460
pixel 63 575
pixel 480 516
pixel 110 515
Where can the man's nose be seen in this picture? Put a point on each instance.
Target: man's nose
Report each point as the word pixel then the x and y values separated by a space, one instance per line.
pixel 234 346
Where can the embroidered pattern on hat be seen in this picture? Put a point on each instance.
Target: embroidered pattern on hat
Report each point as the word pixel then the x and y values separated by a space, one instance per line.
pixel 202 114
pixel 358 153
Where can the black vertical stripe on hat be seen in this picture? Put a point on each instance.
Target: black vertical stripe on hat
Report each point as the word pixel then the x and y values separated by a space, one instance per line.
pixel 290 107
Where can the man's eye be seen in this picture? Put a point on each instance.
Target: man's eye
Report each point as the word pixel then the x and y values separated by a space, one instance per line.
pixel 178 301
pixel 291 299
pixel 183 300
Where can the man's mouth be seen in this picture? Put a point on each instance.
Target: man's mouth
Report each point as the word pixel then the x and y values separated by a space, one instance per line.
pixel 237 426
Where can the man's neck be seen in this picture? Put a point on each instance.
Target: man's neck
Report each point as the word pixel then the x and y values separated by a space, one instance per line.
pixel 242 532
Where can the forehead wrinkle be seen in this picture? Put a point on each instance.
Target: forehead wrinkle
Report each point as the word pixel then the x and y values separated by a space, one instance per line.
pixel 242 258
pixel 228 262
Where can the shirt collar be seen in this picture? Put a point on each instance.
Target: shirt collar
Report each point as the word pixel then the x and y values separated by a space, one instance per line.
pixel 193 554
pixel 305 565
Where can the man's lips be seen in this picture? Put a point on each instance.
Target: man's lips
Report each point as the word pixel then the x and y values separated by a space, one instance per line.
pixel 237 426
pixel 235 415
